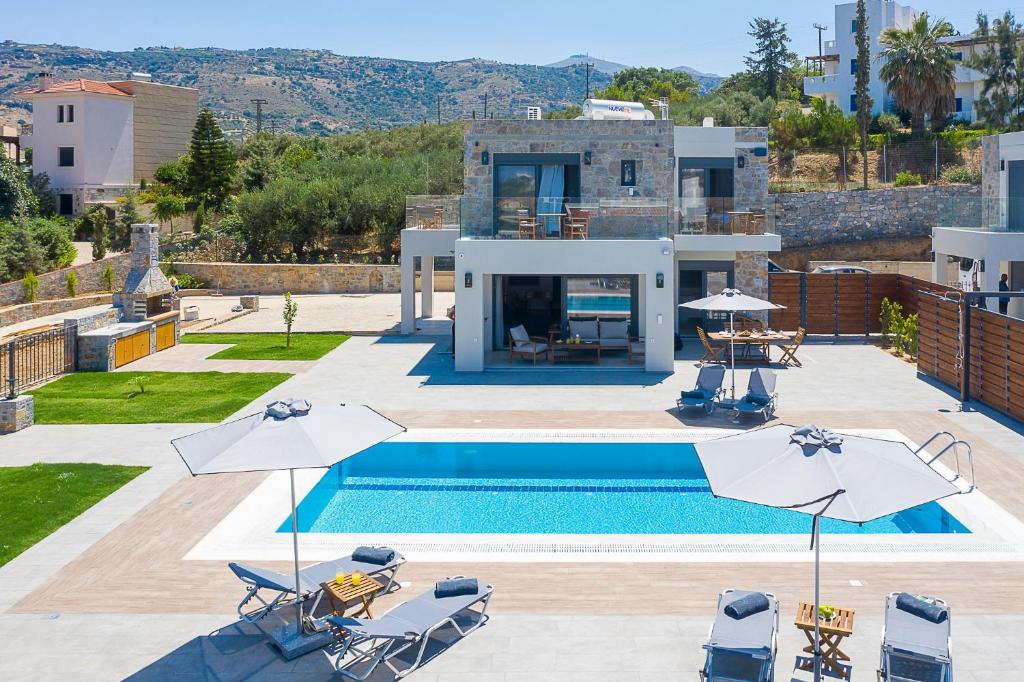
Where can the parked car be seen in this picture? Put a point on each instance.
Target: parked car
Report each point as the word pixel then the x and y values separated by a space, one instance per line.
pixel 842 269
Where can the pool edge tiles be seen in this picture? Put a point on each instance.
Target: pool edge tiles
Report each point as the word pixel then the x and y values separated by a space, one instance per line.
pixel 248 532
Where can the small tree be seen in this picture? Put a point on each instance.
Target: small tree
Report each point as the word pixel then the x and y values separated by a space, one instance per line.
pixel 168 207
pixel 864 101
pixel 97 218
pixel 71 281
pixel 108 277
pixel 291 309
pixel 30 286
pixel 127 215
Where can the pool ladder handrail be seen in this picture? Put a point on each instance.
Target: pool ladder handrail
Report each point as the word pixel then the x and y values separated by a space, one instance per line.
pixel 954 444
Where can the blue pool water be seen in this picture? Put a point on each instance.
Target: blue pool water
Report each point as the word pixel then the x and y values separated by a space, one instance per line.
pixel 577 488
pixel 577 303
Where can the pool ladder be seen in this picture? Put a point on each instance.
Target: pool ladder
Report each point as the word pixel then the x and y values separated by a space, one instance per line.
pixel 957 446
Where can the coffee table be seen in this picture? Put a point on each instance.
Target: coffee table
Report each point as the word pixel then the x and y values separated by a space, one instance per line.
pixel 340 595
pixel 582 351
pixel 833 632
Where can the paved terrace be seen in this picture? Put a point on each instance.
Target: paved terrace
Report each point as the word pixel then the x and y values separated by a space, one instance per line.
pixel 109 595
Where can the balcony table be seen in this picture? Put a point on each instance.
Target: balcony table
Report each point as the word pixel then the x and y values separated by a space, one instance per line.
pixel 833 632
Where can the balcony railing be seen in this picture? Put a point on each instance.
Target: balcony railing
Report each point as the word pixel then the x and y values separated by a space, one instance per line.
pixel 816 85
pixel 432 211
pixel 724 217
pixel 985 215
pixel 531 217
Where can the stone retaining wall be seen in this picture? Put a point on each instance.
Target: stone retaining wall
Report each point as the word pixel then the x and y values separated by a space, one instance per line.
pixel 53 285
pixel 277 278
pixel 808 219
pixel 29 311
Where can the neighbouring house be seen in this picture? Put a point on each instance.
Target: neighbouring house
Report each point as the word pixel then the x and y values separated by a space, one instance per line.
pixel 608 220
pixel 96 140
pixel 986 236
pixel 837 63
pixel 10 143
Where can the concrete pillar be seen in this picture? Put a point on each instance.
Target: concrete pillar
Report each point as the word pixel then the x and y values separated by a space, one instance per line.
pixel 427 285
pixel 940 269
pixel 659 315
pixel 408 285
pixel 469 321
pixel 990 282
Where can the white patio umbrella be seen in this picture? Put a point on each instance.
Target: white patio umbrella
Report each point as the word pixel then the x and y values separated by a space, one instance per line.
pixel 290 434
pixel 731 301
pixel 824 474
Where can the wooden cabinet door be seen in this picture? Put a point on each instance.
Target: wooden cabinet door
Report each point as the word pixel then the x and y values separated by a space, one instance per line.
pixel 141 343
pixel 164 336
pixel 124 351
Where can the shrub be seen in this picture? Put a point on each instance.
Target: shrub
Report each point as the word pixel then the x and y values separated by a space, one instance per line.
pixel 108 277
pixel 30 286
pixel 908 179
pixel 961 175
pixel 909 334
pixel 885 124
pixel 891 319
pixel 189 282
pixel 71 281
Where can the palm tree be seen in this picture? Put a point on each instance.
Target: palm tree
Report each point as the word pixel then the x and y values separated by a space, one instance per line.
pixel 918 70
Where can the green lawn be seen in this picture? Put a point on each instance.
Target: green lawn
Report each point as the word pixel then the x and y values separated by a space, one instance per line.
pixel 270 346
pixel 37 500
pixel 168 397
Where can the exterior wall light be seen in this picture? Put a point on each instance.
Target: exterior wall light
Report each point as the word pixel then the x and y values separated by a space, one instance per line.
pixel 587 158
pixel 485 157
pixel 741 161
pixel 659 281
pixel 469 280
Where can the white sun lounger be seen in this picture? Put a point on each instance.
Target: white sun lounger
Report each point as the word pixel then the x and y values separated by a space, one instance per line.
pixel 915 649
pixel 406 627
pixel 742 650
pixel 309 582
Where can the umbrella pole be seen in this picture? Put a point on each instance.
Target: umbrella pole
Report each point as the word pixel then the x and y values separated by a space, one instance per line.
pixel 732 353
pixel 817 598
pixel 295 554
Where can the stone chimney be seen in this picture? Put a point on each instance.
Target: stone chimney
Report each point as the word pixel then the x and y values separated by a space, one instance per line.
pixel 45 80
pixel 145 284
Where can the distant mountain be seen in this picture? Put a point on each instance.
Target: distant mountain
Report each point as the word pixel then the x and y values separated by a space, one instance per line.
pixel 308 91
pixel 707 81
pixel 601 65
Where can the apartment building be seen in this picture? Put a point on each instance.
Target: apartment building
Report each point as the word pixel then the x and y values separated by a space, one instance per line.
pixel 838 61
pixel 96 140
pixel 609 221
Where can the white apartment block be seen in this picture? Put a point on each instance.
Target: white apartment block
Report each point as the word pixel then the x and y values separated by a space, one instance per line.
pixel 96 140
pixel 839 59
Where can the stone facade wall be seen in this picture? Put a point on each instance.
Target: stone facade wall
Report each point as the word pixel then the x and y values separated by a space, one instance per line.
pixel 53 285
pixel 277 278
pixel 104 318
pixel 750 182
pixel 649 143
pixel 990 167
pixel 751 274
pixel 30 311
pixel 815 218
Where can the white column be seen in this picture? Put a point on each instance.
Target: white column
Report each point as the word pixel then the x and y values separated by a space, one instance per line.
pixel 940 269
pixel 990 281
pixel 660 317
pixel 408 285
pixel 427 285
pixel 469 321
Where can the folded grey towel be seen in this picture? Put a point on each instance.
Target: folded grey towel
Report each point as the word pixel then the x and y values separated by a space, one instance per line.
pixel 747 606
pixel 381 556
pixel 456 587
pixel 921 608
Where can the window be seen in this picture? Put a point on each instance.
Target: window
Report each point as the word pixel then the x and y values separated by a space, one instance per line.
pixel 71 113
pixel 60 113
pixel 853 26
pixel 853 102
pixel 957 56
pixel 853 67
pixel 66 157
pixel 67 204
pixel 628 177
pixel 959 104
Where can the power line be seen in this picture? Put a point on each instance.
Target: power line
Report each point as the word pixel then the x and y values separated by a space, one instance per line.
pixel 821 61
pixel 589 67
pixel 259 113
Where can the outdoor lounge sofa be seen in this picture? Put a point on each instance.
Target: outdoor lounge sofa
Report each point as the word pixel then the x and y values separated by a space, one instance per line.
pixel 761 397
pixel 408 627
pixel 742 649
pixel 609 334
pixel 706 392
pixel 310 578
pixel 916 648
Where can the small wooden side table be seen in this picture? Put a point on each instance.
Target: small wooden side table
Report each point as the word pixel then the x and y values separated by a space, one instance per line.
pixel 340 595
pixel 833 632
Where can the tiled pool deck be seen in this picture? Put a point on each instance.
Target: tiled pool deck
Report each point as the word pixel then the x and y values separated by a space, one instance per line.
pixel 110 595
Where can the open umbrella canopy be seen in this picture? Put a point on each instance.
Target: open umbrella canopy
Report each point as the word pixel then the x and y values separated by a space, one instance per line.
pixel 731 301
pixel 287 435
pixel 802 469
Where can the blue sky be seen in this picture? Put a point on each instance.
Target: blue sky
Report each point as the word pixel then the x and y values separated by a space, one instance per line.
pixel 708 36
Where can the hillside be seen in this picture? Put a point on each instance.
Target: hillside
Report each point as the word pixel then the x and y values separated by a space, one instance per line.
pixel 308 91
pixel 707 81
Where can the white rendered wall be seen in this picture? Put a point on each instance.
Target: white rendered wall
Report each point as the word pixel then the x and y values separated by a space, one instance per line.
pixel 485 258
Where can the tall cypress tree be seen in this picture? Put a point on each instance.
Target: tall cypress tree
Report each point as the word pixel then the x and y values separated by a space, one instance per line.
pixel 211 163
pixel 864 101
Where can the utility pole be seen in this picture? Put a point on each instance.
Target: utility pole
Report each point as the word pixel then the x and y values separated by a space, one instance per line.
pixel 259 113
pixel 821 62
pixel 589 67
pixel 439 109
pixel 485 106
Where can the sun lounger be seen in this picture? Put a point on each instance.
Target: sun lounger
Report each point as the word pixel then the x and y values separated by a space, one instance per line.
pixel 743 649
pixel 761 397
pixel 914 648
pixel 707 390
pixel 407 628
pixel 309 582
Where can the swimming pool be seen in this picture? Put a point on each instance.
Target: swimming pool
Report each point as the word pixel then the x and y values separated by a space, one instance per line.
pixel 585 488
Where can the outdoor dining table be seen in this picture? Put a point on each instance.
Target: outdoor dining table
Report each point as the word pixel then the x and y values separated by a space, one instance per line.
pixel 761 340
pixel 833 632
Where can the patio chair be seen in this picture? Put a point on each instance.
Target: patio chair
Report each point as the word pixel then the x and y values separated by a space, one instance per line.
pixel 527 228
pixel 309 579
pixel 742 649
pixel 408 627
pixel 761 397
pixel 707 391
pixel 522 344
pixel 916 648
pixel 789 350
pixel 710 351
